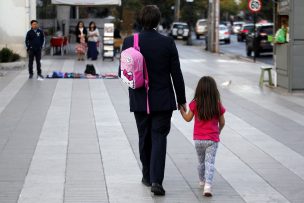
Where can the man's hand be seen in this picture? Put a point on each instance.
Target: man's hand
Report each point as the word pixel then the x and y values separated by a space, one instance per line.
pixel 183 107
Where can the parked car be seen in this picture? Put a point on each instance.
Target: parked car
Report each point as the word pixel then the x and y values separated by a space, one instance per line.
pixel 236 27
pixel 179 30
pixel 228 24
pixel 201 28
pixel 224 34
pixel 247 28
pixel 261 44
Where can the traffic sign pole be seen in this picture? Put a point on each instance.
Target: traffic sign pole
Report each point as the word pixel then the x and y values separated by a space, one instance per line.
pixel 254 6
pixel 254 37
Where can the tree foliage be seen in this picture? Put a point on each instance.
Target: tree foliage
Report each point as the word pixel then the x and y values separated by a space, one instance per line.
pixel 191 11
pixel 229 6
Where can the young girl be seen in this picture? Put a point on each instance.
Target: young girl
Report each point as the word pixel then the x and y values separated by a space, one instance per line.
pixel 81 39
pixel 208 112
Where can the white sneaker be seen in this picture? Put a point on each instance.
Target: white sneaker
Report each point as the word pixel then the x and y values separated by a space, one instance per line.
pixel 40 77
pixel 201 184
pixel 207 190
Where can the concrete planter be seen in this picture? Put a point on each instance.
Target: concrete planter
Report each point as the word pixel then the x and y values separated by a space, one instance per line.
pixel 12 65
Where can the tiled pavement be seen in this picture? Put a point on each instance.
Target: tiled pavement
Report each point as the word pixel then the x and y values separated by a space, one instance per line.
pixel 76 141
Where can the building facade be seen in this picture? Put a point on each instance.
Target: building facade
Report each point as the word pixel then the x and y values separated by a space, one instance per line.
pixel 15 22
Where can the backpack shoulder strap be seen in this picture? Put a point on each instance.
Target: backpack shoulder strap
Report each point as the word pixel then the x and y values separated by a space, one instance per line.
pixel 135 43
pixel 136 46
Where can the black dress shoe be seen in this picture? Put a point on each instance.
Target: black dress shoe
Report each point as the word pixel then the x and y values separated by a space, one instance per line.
pixel 158 189
pixel 145 182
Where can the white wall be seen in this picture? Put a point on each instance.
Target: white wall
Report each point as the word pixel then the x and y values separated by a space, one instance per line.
pixel 15 16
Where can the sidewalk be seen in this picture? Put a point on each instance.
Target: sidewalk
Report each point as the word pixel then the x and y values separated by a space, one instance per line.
pixel 76 141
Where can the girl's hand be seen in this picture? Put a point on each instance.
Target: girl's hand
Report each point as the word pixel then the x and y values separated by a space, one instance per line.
pixel 188 116
pixel 182 110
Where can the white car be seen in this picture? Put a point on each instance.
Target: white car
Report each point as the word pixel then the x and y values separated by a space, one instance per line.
pixel 179 30
pixel 224 34
pixel 201 28
pixel 237 26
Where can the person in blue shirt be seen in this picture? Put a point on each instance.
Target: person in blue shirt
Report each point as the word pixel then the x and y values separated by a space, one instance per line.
pixel 34 42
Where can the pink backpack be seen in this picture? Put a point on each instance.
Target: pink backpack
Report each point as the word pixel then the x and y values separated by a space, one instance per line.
pixel 133 68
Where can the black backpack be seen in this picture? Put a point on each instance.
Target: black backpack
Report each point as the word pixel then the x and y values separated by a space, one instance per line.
pixel 90 69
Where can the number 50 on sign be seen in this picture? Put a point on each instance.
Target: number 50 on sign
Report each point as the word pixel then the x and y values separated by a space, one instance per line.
pixel 255 5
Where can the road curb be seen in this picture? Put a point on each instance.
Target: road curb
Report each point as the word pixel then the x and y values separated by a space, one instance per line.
pixel 239 57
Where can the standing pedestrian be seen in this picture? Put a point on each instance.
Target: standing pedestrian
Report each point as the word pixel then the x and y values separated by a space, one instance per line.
pixel 81 39
pixel 208 112
pixel 162 62
pixel 93 35
pixel 34 42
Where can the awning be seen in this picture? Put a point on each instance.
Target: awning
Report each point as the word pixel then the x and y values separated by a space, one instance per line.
pixel 87 2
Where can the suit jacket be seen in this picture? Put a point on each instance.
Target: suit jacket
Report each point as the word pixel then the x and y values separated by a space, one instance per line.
pixel 162 61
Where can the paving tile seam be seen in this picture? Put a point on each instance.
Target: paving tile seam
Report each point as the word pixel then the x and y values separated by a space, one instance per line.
pixel 16 85
pixel 92 190
pixel 183 177
pixel 191 70
pixel 27 194
pixel 256 173
pixel 177 122
pixel 126 91
pixel 191 193
pixel 99 145
pixel 68 144
pixel 271 106
pixel 37 90
pixel 274 155
pixel 229 75
pixel 273 96
pixel 113 179
pixel 9 92
pixel 274 125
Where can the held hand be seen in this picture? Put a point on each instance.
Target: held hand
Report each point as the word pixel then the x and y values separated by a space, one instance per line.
pixel 182 108
pixel 182 112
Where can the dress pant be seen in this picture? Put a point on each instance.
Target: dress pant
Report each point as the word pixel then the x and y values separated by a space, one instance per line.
pixel 37 55
pixel 153 129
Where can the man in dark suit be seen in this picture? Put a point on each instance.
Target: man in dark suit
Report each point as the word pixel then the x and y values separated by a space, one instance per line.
pixel 162 61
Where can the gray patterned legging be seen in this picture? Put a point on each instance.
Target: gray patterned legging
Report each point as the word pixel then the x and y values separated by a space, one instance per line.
pixel 206 151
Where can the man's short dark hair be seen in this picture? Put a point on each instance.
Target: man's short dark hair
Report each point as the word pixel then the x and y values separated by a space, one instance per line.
pixel 34 21
pixel 149 17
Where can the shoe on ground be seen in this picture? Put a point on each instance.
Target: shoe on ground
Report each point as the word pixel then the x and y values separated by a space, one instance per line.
pixel 40 77
pixel 145 182
pixel 158 189
pixel 207 191
pixel 31 76
pixel 201 184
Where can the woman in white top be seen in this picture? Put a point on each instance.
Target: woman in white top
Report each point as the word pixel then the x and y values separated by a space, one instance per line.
pixel 93 38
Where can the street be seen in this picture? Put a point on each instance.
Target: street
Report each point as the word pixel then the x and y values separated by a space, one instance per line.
pixel 74 140
pixel 236 48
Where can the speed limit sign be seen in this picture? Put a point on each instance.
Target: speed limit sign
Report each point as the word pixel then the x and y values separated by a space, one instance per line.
pixel 255 5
